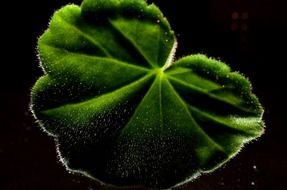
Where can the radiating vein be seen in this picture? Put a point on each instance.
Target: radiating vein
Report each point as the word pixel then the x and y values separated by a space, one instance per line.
pixel 132 43
pixel 140 104
pixel 206 93
pixel 223 121
pixel 88 37
pixel 175 72
pixel 160 101
pixel 113 60
pixel 109 95
pixel 185 106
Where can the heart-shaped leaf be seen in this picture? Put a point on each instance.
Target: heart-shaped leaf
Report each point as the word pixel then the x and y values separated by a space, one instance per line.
pixel 123 112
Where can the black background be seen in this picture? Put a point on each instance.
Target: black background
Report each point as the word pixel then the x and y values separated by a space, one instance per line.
pixel 253 43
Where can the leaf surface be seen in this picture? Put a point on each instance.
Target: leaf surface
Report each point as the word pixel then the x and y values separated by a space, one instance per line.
pixel 123 112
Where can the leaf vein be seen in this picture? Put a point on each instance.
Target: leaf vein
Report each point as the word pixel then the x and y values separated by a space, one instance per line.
pixel 139 105
pixel 218 120
pixel 88 37
pixel 206 93
pixel 145 77
pixel 138 50
pixel 185 106
pixel 98 57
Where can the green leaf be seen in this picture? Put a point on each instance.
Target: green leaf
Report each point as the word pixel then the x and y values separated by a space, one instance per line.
pixel 123 112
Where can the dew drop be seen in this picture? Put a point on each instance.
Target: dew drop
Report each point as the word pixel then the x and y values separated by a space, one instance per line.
pixel 158 21
pixel 252 183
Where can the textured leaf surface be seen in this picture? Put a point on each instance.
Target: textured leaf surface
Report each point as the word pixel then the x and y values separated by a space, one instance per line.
pixel 123 112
